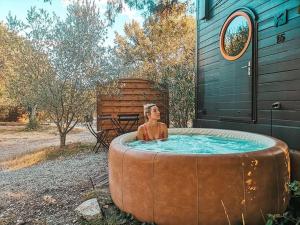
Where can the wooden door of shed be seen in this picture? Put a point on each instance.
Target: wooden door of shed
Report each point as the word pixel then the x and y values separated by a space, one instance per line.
pixel 133 94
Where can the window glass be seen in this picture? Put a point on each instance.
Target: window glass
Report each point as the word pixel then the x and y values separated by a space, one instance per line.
pixel 236 36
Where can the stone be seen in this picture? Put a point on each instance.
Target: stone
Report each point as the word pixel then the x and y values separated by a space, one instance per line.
pixel 89 210
pixel 20 222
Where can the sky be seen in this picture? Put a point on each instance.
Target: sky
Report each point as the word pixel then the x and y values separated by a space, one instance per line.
pixel 20 7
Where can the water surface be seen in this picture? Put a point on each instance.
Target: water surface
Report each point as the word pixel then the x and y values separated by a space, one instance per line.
pixel 198 144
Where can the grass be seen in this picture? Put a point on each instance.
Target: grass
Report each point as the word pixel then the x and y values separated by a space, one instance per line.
pixel 9 127
pixel 12 124
pixel 109 221
pixel 111 214
pixel 114 217
pixel 46 128
pixel 49 153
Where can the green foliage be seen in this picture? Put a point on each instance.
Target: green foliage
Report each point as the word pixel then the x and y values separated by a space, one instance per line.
pixel 115 218
pixel 163 51
pixel 295 188
pixel 235 41
pixel 64 63
pixel 286 218
pixel 147 7
pixel 291 216
pixel 180 81
pixel 27 64
pixel 33 124
pixel 9 44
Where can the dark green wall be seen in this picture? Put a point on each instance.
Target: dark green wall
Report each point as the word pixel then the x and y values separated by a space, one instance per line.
pixel 278 69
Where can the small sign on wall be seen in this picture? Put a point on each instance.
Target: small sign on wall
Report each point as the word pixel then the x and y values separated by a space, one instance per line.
pixel 280 38
pixel 280 19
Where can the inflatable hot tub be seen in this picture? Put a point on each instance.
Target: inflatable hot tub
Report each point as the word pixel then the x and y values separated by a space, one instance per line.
pixel 178 188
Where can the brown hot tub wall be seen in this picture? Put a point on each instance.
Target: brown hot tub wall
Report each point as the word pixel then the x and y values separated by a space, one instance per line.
pixel 188 189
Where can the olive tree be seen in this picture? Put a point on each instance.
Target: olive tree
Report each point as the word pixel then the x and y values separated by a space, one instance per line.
pixel 27 60
pixel 76 56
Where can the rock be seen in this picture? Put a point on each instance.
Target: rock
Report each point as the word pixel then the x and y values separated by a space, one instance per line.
pixel 20 222
pixel 89 210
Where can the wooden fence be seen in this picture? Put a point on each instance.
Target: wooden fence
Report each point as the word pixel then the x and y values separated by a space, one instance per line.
pixel 131 97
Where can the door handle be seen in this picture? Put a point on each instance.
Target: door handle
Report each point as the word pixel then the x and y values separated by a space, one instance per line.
pixel 247 67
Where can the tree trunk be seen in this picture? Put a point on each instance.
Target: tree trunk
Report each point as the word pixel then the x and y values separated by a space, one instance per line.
pixel 63 137
pixel 32 124
pixel 32 112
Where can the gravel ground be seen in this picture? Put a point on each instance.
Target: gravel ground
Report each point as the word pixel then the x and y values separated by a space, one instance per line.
pixel 49 192
pixel 15 141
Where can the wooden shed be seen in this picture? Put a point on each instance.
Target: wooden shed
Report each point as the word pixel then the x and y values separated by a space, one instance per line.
pixel 248 67
pixel 131 97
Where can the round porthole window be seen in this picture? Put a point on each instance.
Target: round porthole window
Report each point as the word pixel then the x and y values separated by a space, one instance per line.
pixel 235 35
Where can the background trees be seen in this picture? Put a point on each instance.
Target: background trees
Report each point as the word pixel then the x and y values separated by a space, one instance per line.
pixel 16 57
pixel 147 7
pixel 163 51
pixel 65 64
pixel 56 64
pixel 7 41
pixel 77 58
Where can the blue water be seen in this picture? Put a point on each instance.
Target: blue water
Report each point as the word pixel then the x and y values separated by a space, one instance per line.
pixel 198 144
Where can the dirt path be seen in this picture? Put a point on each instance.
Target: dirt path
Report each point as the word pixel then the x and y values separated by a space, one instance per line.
pixel 15 141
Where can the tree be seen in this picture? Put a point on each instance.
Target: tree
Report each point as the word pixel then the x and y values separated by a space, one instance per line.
pixel 76 57
pixel 163 51
pixel 19 72
pixel 147 7
pixel 182 94
pixel 235 40
pixel 31 61
pixel 6 68
pixel 7 43
pixel 25 87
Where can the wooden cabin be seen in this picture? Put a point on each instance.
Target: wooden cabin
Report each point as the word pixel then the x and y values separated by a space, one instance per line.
pixel 248 67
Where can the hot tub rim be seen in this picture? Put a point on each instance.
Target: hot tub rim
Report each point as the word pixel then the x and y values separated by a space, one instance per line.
pixel 118 144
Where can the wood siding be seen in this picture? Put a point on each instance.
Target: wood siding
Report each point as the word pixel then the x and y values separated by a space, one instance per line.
pixel 134 93
pixel 278 70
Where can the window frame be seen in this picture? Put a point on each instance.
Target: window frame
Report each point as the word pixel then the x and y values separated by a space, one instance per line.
pixel 223 32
